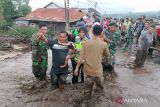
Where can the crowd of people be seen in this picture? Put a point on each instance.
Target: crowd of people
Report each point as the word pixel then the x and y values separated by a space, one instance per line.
pixel 136 34
pixel 90 50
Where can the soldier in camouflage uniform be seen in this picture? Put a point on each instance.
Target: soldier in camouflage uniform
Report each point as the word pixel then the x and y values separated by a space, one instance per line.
pixel 113 36
pixel 127 47
pixel 39 54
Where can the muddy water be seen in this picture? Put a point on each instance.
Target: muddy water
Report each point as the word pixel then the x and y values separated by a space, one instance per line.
pixel 20 89
pixel 140 86
pixel 14 51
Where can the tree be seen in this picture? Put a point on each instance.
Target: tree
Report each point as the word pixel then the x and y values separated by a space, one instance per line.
pixel 8 10
pixel 1 13
pixel 22 7
pixel 11 9
pixel 2 20
pixel 24 10
pixel 19 3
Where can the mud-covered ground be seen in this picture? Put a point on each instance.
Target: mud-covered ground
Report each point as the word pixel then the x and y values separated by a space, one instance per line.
pixel 140 86
pixel 20 89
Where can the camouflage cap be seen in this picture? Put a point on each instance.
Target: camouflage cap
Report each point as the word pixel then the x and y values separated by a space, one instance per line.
pixel 113 24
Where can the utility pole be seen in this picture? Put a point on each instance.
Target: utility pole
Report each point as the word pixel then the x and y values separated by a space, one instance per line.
pixel 105 13
pixel 68 24
pixel 67 14
pixel 78 3
pixel 95 7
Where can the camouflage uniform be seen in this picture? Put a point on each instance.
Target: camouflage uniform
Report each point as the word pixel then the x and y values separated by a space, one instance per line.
pixel 129 39
pixel 39 58
pixel 114 38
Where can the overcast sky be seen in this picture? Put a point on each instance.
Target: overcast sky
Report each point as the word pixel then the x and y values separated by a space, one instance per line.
pixel 110 6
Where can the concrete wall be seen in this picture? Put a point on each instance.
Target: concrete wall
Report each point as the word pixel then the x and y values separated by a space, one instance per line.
pixel 56 26
pixel 22 23
pixel 59 26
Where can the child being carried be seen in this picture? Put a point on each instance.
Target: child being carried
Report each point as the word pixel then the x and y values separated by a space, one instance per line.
pixel 70 54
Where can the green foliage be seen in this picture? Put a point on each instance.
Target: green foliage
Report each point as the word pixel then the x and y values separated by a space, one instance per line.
pixel 1 13
pixel 8 10
pixel 25 31
pixel 22 7
pixel 4 26
pixel 11 9
pixel 19 3
pixel 28 31
pixel 50 33
pixel 24 10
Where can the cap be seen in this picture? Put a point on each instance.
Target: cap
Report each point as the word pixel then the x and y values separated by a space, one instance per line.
pixel 113 24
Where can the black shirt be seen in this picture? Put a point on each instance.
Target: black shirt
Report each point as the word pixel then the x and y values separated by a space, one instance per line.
pixel 59 53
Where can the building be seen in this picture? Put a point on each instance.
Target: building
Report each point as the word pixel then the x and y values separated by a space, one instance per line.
pixel 54 17
pixel 54 5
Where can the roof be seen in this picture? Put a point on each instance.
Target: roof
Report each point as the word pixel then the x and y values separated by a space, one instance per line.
pixel 53 15
pixel 93 10
pixel 51 4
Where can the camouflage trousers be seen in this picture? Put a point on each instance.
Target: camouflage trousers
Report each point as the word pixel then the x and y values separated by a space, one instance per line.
pixel 112 60
pixel 39 68
pixel 88 87
pixel 127 47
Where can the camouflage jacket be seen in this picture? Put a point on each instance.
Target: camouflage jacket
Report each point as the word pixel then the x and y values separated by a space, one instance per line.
pixel 39 51
pixel 114 38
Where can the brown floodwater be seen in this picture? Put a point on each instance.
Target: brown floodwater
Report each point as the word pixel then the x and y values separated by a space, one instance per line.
pixel 20 89
pixel 140 86
pixel 134 87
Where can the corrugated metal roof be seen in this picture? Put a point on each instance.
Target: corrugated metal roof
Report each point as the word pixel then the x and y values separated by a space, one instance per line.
pixel 53 14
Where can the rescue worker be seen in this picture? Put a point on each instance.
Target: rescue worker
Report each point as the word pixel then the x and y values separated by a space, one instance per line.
pixel 39 53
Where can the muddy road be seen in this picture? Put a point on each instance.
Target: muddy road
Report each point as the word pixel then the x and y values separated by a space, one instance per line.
pixel 20 89
pixel 140 86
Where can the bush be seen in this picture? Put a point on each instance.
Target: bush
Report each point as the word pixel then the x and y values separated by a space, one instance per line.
pixel 4 26
pixel 25 31
pixel 51 33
